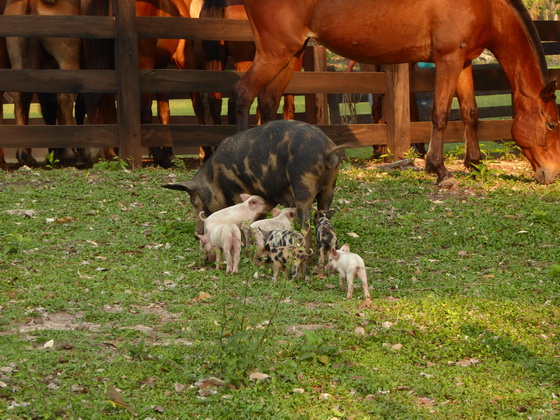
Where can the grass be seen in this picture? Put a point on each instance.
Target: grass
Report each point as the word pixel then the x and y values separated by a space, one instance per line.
pixel 103 285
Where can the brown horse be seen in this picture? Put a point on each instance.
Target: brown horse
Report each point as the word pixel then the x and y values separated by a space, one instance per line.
pixel 449 34
pixel 4 64
pixel 43 53
pixel 152 54
pixel 241 52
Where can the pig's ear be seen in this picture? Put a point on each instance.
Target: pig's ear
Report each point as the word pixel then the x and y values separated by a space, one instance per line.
pixel 275 212
pixel 345 248
pixel 189 186
pixel 203 238
pixel 334 253
pixel 244 197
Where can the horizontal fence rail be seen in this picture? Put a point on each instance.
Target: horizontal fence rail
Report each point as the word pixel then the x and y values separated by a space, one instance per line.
pixel 488 77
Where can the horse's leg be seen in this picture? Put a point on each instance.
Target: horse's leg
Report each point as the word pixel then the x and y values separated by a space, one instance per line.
pixel 289 109
pixel 269 98
pixel 164 115
pixel 22 103
pixel 469 115
pixel 259 76
pixel 66 52
pixel 447 73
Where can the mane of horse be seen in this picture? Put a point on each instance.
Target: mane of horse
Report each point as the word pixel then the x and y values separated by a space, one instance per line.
pixel 532 33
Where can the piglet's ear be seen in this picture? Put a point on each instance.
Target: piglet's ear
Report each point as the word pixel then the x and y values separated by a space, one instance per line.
pixel 547 93
pixel 244 197
pixel 334 253
pixel 345 248
pixel 275 212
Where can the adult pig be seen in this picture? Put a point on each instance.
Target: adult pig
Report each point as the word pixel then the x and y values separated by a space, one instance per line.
pixel 286 162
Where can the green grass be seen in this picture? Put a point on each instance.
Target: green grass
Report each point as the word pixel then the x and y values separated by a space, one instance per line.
pixel 463 321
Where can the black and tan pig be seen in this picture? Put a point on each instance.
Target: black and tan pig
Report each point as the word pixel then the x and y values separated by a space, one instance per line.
pixel 285 162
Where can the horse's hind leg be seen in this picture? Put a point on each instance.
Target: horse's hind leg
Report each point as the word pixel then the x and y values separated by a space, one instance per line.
pixel 447 73
pixel 256 79
pixel 269 98
pixel 469 115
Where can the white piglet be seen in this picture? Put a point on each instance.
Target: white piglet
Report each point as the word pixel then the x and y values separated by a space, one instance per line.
pixel 223 238
pixel 281 220
pixel 249 210
pixel 348 265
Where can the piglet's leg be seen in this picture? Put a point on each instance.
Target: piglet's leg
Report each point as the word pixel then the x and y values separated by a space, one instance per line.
pixel 350 279
pixel 363 277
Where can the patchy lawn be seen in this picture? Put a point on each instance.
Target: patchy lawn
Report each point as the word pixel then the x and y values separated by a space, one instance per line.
pixel 104 295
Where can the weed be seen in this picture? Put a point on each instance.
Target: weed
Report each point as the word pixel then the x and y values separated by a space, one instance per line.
pixel 117 164
pixel 52 162
pixel 482 173
pixel 137 351
pixel 316 349
pixel 13 243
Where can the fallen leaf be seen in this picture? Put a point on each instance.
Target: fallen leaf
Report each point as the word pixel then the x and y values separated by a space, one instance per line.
pixel 387 324
pixel 353 235
pixel 467 362
pixel 258 376
pixel 116 400
pixel 48 344
pixel 298 390
pixel 360 331
pixel 202 296
pixel 179 388
pixel 365 304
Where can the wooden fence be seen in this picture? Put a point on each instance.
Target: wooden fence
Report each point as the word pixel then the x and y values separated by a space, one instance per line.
pixel 128 82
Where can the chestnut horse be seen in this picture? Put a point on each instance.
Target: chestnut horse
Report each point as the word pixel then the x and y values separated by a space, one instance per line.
pixel 43 53
pixel 4 64
pixel 241 52
pixel 152 54
pixel 447 33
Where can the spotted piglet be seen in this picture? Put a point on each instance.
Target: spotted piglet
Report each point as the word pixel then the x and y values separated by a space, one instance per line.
pixel 226 238
pixel 348 265
pixel 326 237
pixel 284 256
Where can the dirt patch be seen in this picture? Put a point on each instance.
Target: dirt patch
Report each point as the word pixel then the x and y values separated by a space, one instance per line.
pixel 58 321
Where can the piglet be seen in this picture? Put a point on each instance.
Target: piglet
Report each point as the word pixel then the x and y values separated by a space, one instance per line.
pixel 223 238
pixel 284 256
pixel 281 220
pixel 250 209
pixel 326 236
pixel 348 265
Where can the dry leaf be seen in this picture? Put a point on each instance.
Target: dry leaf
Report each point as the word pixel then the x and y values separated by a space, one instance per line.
pixel 360 331
pixel 48 344
pixel 116 400
pixel 396 347
pixel 258 376
pixel 179 388
pixel 353 235
pixel 387 324
pixel 202 296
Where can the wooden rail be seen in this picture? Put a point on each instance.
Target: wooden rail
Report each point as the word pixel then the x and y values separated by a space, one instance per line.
pixel 127 81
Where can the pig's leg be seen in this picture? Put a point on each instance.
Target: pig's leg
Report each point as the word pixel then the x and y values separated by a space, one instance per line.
pixel 363 277
pixel 229 262
pixel 350 280
pixel 236 256
pixel 341 279
pixel 218 257
pixel 275 270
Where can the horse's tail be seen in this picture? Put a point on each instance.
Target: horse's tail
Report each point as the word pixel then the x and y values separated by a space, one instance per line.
pixel 31 47
pixel 215 57
pixel 97 54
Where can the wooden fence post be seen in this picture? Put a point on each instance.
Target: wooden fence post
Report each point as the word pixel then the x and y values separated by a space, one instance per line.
pixel 128 82
pixel 316 107
pixel 396 109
